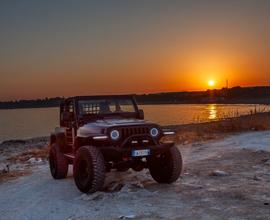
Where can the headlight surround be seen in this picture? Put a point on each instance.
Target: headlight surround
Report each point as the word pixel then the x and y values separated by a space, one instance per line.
pixel 154 132
pixel 115 135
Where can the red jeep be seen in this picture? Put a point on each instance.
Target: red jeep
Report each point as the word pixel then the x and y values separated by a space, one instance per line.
pixel 100 133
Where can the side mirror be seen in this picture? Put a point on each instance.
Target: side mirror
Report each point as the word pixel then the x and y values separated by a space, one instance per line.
pixel 141 114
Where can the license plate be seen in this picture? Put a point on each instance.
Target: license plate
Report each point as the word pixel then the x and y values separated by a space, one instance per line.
pixel 140 153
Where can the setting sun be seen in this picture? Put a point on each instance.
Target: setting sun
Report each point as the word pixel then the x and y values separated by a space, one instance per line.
pixel 211 83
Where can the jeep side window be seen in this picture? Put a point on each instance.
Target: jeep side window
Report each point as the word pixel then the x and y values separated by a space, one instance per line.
pixel 125 106
pixel 67 114
pixel 70 109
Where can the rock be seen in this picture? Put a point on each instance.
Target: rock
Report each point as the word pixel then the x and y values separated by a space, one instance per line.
pixel 6 169
pixel 255 177
pixel 193 186
pixel 267 162
pixel 219 173
pixel 94 196
pixel 84 197
pixel 39 160
pixel 114 187
pixel 260 151
pixel 34 160
pixel 127 216
pixel 138 185
pixel 131 187
pixel 97 196
pixel 125 189
pixel 31 160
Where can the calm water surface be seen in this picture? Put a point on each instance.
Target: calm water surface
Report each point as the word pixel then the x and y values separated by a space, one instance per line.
pixel 27 123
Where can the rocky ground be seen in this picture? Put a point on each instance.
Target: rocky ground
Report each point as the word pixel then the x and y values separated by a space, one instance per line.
pixel 226 178
pixel 18 157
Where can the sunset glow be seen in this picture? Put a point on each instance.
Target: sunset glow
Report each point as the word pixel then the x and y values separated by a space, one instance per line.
pixel 134 48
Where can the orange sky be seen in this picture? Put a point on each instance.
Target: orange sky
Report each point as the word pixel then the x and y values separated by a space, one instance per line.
pixel 53 49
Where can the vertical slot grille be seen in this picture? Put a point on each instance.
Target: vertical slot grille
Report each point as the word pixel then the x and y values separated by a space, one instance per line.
pixel 129 131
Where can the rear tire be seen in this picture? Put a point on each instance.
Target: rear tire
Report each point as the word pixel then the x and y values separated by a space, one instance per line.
pixel 89 169
pixel 167 167
pixel 58 162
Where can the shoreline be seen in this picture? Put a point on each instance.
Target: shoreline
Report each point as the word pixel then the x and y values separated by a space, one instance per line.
pixel 250 122
pixel 218 121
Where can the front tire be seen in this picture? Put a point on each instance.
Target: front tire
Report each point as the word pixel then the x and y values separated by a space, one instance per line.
pixel 167 167
pixel 89 169
pixel 58 162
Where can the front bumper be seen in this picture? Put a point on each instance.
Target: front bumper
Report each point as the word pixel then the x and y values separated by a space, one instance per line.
pixel 116 154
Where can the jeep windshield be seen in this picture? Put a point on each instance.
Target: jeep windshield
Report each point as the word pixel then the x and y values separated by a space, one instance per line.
pixel 107 107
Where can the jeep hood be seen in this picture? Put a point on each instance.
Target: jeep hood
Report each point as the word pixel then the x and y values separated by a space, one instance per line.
pixel 96 127
pixel 115 122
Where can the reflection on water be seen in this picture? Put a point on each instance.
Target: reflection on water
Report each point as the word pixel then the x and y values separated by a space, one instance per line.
pixel 212 109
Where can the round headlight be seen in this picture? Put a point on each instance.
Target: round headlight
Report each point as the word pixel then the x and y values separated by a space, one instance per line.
pixel 115 134
pixel 154 132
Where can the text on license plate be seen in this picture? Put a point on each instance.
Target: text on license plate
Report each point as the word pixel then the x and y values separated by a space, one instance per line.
pixel 140 153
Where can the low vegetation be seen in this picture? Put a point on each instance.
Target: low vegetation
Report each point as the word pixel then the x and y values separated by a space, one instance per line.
pixel 218 129
pixel 41 153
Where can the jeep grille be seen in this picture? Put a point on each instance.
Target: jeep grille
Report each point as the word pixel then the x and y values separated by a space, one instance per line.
pixel 129 131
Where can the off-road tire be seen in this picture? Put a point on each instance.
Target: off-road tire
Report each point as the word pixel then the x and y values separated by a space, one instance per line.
pixel 89 169
pixel 167 167
pixel 58 162
pixel 61 141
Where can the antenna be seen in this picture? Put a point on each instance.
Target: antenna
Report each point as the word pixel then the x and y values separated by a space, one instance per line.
pixel 227 83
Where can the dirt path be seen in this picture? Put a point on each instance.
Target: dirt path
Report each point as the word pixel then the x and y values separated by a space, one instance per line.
pixel 241 192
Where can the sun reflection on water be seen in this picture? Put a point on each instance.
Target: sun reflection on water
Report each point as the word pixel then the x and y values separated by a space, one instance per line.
pixel 212 111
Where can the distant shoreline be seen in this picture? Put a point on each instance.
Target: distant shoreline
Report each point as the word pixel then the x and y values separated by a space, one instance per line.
pixel 246 103
pixel 235 95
